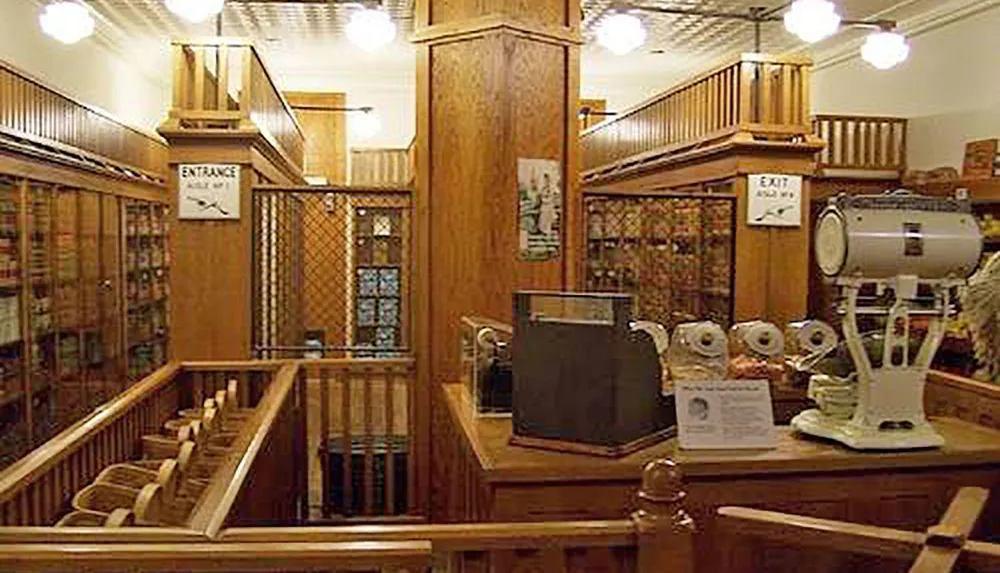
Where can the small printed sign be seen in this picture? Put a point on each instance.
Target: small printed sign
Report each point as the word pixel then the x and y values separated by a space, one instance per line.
pixel 775 201
pixel 725 415
pixel 208 191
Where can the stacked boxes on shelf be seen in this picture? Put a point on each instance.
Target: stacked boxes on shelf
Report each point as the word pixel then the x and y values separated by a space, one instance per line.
pixel 40 267
pixel 10 269
pixel 672 250
pixel 10 320
pixel 147 286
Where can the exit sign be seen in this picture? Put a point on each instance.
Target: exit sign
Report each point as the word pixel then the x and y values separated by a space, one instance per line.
pixel 775 201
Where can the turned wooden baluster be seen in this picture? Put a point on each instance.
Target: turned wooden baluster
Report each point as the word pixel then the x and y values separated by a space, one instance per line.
pixel 663 529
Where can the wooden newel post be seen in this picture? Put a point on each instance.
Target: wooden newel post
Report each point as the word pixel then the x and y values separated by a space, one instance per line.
pixel 664 529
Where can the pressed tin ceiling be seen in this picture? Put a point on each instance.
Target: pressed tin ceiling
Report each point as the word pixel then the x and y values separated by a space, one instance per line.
pixel 306 38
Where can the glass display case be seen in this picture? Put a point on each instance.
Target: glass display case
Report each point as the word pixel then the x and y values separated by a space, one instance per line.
pixel 486 365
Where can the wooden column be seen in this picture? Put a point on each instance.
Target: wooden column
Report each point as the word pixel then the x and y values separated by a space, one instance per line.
pixel 497 80
pixel 211 262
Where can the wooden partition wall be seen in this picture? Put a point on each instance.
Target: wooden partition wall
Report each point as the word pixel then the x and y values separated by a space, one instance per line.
pixel 43 116
pixel 755 97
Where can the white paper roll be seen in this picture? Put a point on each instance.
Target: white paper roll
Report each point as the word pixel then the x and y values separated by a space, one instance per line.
pixel 704 338
pixel 810 337
pixel 760 337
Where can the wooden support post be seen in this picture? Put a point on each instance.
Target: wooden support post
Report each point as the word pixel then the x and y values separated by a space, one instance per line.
pixel 497 82
pixel 663 528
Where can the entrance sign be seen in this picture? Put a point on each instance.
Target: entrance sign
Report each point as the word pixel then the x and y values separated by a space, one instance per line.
pixel 208 191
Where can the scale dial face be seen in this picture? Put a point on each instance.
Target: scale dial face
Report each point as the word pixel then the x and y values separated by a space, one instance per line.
pixel 831 243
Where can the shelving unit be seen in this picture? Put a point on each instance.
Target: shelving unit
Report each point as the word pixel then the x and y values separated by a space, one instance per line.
pixel 673 251
pixel 147 288
pixel 63 310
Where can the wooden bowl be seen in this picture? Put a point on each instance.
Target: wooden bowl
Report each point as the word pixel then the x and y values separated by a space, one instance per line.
pixel 80 518
pixel 104 498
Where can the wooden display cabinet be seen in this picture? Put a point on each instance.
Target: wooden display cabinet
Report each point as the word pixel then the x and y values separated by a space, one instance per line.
pixel 63 310
pixel 147 267
pixel 673 251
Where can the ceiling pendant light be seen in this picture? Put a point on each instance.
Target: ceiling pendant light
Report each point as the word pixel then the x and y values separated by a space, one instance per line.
pixel 621 33
pixel 67 21
pixel 370 29
pixel 195 11
pixel 812 20
pixel 366 124
pixel 885 49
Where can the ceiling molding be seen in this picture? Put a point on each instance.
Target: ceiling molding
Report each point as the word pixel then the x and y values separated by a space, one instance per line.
pixel 923 23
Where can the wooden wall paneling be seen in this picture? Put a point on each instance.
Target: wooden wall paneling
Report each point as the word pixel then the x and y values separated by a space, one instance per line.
pixel 574 231
pixel 325 130
pixel 378 166
pixel 750 256
pixel 532 12
pixel 421 403
pixel 788 268
pixel 211 282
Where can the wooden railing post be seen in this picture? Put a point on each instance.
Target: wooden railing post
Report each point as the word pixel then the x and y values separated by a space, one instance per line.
pixel 664 530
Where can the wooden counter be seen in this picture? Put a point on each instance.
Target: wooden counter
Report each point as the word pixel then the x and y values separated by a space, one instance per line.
pixel 481 477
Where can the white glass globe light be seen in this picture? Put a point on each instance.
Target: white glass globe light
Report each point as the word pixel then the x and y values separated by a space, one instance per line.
pixel 370 29
pixel 366 125
pixel 621 33
pixel 69 22
pixel 195 11
pixel 812 20
pixel 885 50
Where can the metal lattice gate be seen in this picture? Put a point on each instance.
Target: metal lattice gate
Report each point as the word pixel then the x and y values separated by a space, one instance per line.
pixel 332 272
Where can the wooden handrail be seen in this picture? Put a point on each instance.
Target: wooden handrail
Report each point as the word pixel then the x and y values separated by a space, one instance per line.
pixel 96 535
pixel 168 557
pixel 234 365
pixel 452 537
pixel 824 533
pixel 38 110
pixel 67 442
pixel 754 97
pixel 219 499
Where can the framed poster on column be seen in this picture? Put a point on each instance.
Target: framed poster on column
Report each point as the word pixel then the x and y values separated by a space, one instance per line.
pixel 539 186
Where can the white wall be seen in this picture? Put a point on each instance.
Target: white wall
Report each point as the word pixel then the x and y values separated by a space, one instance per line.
pixel 385 80
pixel 88 71
pixel 949 88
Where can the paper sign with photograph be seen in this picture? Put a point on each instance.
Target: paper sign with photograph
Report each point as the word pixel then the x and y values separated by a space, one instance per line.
pixel 539 186
pixel 725 414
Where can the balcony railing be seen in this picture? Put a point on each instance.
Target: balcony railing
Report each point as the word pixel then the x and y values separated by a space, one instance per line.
pixel 244 519
pixel 223 84
pixel 756 97
pixel 861 143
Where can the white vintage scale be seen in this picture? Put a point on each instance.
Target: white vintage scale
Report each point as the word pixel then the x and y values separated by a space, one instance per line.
pixel 899 242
